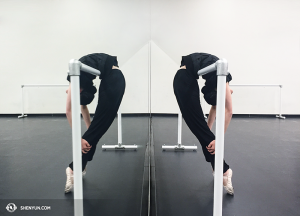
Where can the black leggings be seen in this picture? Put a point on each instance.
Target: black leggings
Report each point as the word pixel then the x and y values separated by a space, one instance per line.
pixel 111 91
pixel 186 90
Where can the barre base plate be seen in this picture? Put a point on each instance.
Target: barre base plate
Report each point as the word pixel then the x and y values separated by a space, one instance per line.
pixel 179 147
pixel 119 146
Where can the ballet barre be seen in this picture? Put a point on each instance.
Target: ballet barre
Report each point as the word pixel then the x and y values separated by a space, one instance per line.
pixel 119 146
pixel 74 67
pixel 35 85
pixel 222 70
pixel 267 85
pixel 179 145
pixel 74 71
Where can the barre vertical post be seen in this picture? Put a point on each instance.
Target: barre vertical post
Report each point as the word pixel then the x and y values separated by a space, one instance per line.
pixel 119 128
pixel 74 67
pixel 280 103
pixel 35 85
pixel 179 128
pixel 280 116
pixel 179 145
pixel 222 68
pixel 267 85
pixel 119 145
pixel 22 102
pixel 22 116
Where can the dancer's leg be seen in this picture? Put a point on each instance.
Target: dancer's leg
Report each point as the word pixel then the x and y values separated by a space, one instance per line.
pixel 186 90
pixel 110 96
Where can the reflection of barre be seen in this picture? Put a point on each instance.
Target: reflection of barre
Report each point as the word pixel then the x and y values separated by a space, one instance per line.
pixel 34 85
pixel 266 85
pixel 179 146
pixel 222 70
pixel 75 66
pixel 119 146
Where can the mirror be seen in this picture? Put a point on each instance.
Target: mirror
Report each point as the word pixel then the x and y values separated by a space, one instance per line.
pixel 43 37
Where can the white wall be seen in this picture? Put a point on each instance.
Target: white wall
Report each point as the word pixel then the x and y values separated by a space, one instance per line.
pixel 260 40
pixel 38 38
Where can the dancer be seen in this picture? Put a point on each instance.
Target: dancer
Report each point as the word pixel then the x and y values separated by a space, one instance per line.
pixel 187 93
pixel 87 94
pixel 110 95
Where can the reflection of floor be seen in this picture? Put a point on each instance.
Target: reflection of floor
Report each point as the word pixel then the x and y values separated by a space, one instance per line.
pixel 35 152
pixel 264 154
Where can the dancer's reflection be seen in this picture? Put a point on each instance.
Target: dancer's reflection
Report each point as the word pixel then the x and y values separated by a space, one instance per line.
pixel 110 95
pixel 186 90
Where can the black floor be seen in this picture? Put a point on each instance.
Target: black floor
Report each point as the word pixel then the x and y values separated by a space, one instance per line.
pixel 264 154
pixel 35 152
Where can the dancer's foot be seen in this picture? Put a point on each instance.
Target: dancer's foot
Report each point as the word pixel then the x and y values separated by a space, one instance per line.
pixel 84 171
pixel 70 181
pixel 227 183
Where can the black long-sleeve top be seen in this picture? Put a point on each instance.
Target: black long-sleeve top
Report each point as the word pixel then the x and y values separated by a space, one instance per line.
pixel 197 61
pixel 100 61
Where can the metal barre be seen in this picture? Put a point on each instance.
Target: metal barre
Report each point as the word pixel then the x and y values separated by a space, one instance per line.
pixel 179 145
pixel 266 85
pixel 221 66
pixel 119 145
pixel 207 69
pixel 222 70
pixel 44 85
pixel 260 85
pixel 74 67
pixel 36 85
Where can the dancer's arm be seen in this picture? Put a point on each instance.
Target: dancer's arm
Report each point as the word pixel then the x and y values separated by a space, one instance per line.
pixel 86 115
pixel 228 110
pixel 69 106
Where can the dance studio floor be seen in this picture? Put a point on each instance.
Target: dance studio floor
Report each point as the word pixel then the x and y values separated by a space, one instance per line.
pixel 264 154
pixel 36 151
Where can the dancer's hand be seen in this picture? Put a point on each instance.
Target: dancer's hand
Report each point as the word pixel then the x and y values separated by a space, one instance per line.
pixel 85 146
pixel 211 147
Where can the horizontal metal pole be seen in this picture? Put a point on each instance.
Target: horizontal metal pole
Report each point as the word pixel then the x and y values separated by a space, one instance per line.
pixel 44 85
pixel 263 85
pixel 208 69
pixel 221 66
pixel 75 66
pixel 260 85
pixel 89 69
